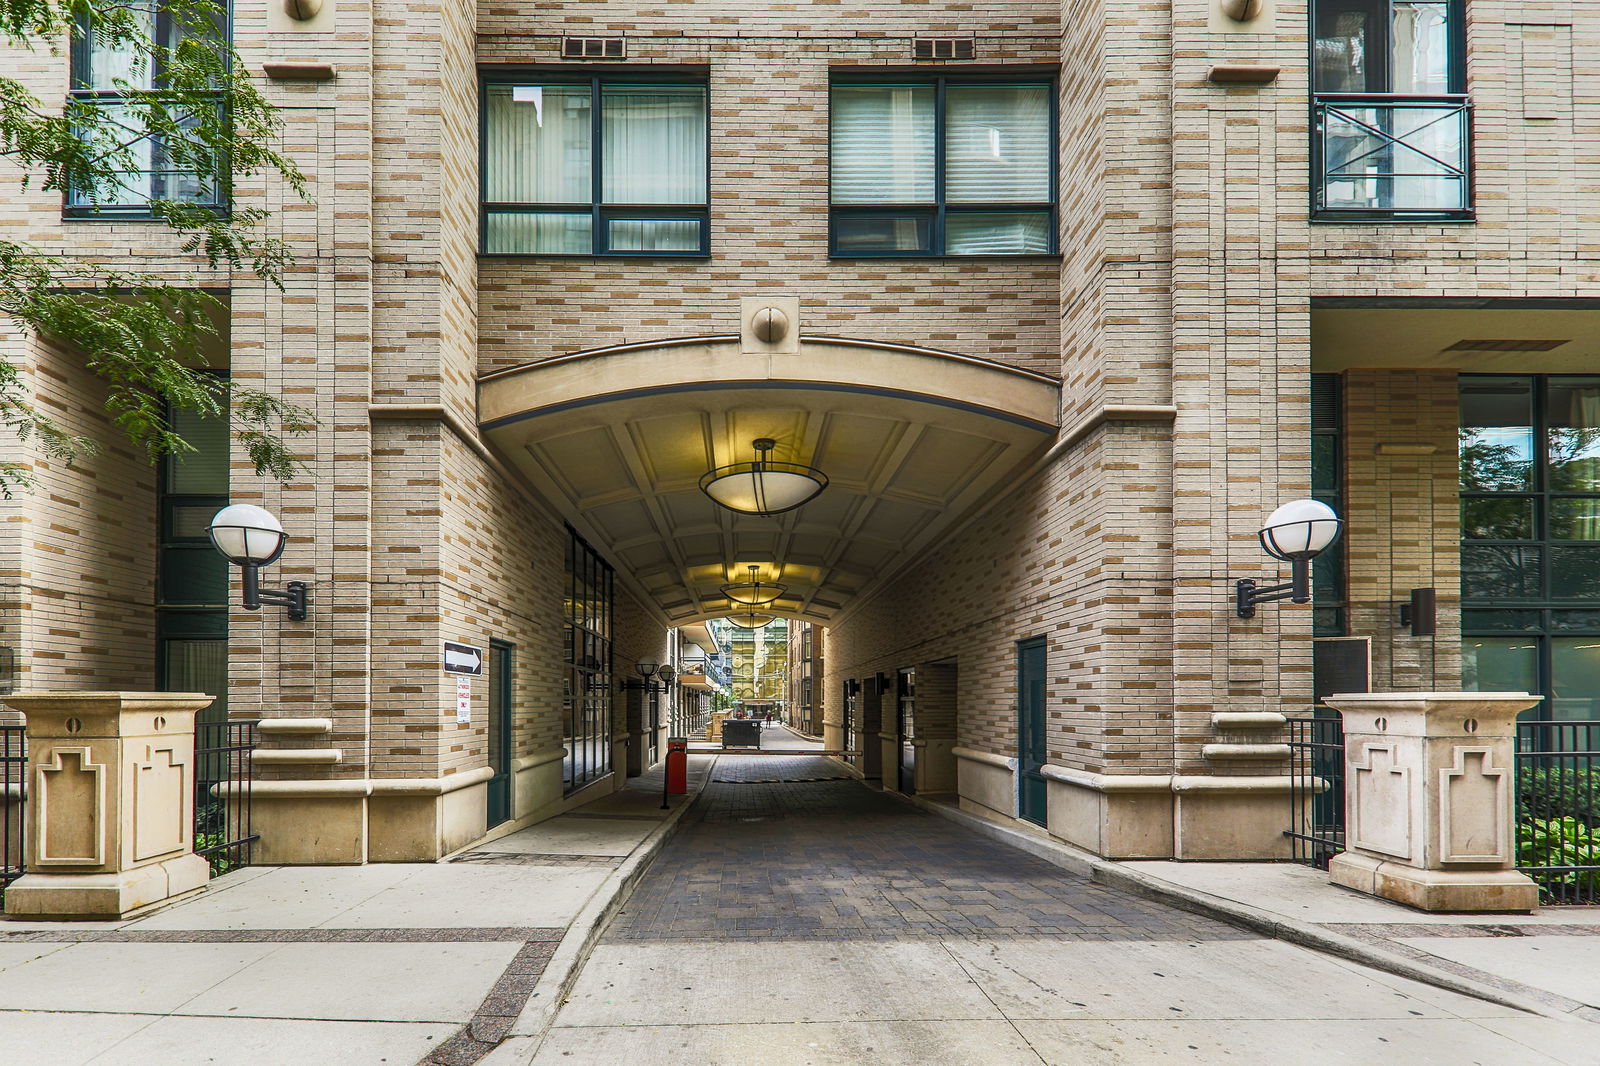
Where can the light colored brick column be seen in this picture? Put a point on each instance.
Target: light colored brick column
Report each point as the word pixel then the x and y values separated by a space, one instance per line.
pixel 1429 784
pixel 110 803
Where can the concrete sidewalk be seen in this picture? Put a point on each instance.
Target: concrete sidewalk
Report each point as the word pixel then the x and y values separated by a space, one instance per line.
pixel 385 963
pixel 1546 963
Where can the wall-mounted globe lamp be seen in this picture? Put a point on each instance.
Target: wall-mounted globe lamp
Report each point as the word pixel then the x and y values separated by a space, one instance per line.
pixel 763 486
pixel 250 537
pixel 1297 532
pixel 755 592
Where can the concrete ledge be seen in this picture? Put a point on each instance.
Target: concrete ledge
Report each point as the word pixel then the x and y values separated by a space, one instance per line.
pixel 1245 752
pixel 296 756
pixel 430 786
pixel 294 726
pixel 1108 782
pixel 988 758
pixel 1304 934
pixel 1228 720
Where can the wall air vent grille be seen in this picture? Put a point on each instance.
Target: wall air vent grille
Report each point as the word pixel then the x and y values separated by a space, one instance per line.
pixel 943 48
pixel 593 48
pixel 1507 345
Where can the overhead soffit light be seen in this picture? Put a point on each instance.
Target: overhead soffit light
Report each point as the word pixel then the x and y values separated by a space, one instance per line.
pixel 750 619
pixel 754 592
pixel 764 486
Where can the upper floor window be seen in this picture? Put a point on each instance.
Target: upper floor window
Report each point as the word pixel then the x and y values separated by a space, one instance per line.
pixel 943 166
pixel 597 166
pixel 1393 126
pixel 128 106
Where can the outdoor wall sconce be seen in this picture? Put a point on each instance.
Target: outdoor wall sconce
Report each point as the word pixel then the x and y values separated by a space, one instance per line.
pixel 755 592
pixel 1421 613
pixel 1297 532
pixel 763 487
pixel 250 537
pixel 647 669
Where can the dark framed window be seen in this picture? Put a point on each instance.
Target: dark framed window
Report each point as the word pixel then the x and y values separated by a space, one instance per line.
pixel 604 165
pixel 1328 589
pixel 586 733
pixel 942 166
pixel 192 580
pixel 1530 539
pixel 1391 119
pixel 118 85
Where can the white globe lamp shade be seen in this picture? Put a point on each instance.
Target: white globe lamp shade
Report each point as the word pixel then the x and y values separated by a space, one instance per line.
pixel 1300 529
pixel 246 534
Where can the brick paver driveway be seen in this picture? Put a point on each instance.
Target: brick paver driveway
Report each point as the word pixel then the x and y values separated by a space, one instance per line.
pixel 803 922
pixel 835 860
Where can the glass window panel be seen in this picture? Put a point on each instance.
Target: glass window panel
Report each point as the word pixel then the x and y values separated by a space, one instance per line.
pixel 1502 621
pixel 1496 436
pixel 538 147
pixel 1348 51
pixel 198 666
pixel 193 575
pixel 883 143
pixel 1574 573
pixel 1575 678
pixel 1420 47
pixel 537 233
pixel 1500 571
pixel 882 233
pixel 203 471
pixel 653 235
pixel 1500 664
pixel 654 144
pixel 1575 518
pixel 1573 408
pixel 1324 464
pixel 1491 518
pixel 997 143
pixel 1575 621
pixel 996 233
pixel 1395 157
pixel 191 521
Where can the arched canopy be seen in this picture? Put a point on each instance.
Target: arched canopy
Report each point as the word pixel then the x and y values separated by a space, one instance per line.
pixel 911 439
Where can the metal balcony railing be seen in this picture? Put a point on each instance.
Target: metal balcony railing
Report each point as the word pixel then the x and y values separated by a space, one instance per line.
pixel 149 169
pixel 1405 158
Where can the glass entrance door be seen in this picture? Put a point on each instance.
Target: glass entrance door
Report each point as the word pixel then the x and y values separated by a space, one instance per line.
pixel 906 728
pixel 1032 750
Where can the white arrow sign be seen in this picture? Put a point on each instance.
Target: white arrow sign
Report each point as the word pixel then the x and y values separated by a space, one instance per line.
pixel 462 658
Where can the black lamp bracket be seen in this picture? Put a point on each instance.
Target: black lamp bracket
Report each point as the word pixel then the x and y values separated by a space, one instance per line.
pixel 1296 590
pixel 293 597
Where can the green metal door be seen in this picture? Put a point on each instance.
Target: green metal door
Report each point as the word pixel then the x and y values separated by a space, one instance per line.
pixel 1032 750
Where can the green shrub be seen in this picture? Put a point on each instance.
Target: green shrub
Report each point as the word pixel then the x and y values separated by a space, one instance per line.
pixel 1546 793
pixel 1561 842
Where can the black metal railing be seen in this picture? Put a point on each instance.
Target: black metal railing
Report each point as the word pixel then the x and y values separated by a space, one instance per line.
pixel 149 163
pixel 1558 809
pixel 222 830
pixel 1316 789
pixel 13 793
pixel 1382 157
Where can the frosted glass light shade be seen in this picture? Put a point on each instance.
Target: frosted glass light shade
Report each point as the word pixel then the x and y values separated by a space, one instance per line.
pixel 245 533
pixel 750 619
pixel 754 593
pixel 1300 529
pixel 763 488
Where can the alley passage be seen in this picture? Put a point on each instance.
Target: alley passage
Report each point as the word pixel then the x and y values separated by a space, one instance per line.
pixel 834 860
pixel 801 920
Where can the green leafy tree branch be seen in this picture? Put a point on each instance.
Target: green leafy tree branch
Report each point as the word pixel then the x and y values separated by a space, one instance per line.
pixel 186 90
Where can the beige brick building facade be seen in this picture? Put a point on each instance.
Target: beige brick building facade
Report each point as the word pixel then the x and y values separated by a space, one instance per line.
pixel 1078 447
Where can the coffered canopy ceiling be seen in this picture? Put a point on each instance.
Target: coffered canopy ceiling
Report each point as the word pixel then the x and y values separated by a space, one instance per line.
pixel 911 440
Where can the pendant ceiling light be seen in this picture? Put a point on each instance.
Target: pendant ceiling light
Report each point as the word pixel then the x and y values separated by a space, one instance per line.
pixel 764 486
pixel 754 592
pixel 751 619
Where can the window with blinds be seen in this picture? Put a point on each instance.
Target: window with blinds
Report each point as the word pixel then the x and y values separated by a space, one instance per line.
pixel 942 166
pixel 597 166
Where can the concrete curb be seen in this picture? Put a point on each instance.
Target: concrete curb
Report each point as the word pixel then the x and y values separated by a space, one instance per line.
pixel 1303 934
pixel 561 973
